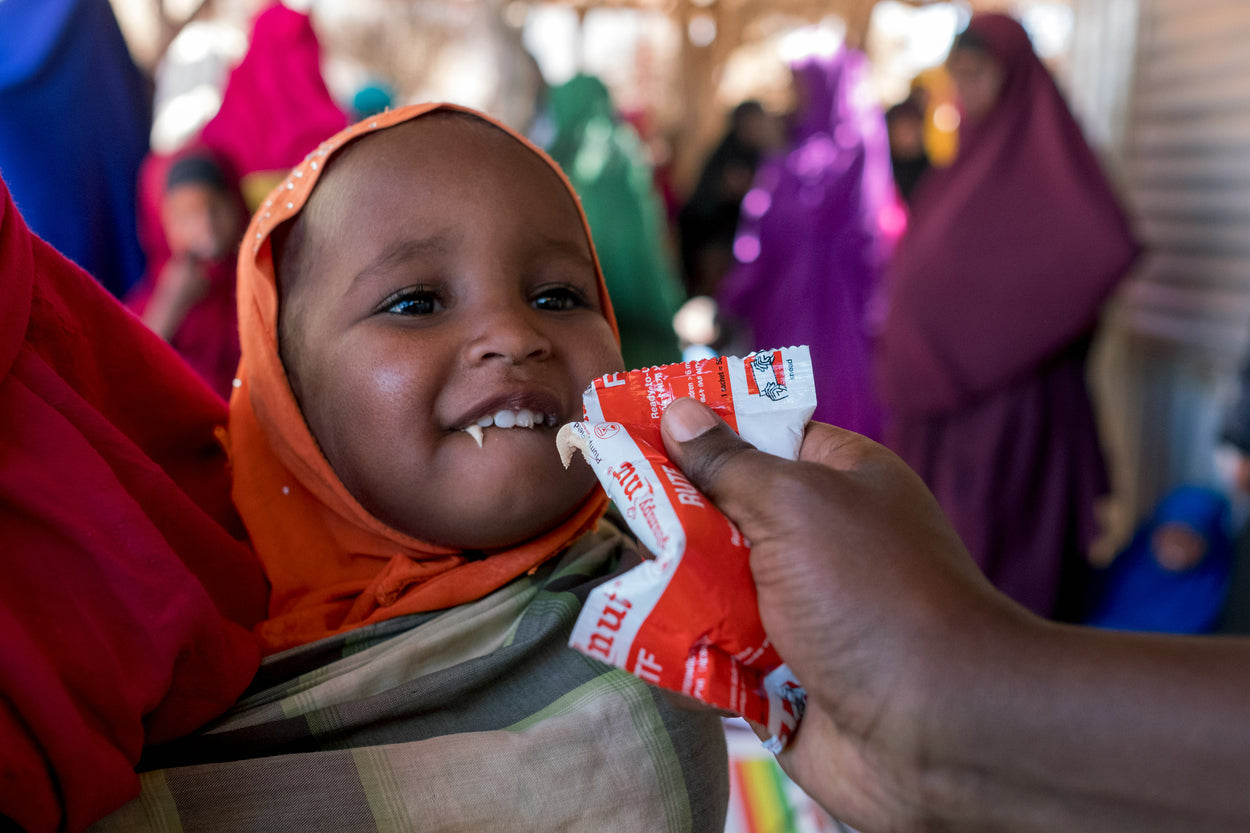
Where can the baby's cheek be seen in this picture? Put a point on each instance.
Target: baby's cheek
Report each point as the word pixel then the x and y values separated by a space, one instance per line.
pixel 600 354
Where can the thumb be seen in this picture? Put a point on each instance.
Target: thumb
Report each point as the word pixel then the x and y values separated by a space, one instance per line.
pixel 716 460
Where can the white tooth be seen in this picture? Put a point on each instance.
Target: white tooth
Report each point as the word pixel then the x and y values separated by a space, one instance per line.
pixel 475 431
pixel 524 419
pixel 486 421
pixel 505 419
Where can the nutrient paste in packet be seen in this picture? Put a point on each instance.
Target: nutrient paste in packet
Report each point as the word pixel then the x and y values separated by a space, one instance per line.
pixel 688 620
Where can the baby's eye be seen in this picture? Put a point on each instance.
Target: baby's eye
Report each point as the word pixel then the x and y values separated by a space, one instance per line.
pixel 560 298
pixel 412 301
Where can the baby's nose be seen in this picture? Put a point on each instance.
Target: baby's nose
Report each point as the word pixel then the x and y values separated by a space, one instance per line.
pixel 509 334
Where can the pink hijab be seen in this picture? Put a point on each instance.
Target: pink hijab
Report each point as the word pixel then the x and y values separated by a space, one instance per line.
pixel 1011 251
pixel 276 107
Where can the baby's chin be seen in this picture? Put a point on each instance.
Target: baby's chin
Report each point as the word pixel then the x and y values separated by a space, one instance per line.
pixel 501 518
pixel 495 533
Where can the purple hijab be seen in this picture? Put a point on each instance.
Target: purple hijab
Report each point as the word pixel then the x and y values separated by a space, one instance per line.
pixel 811 245
pixel 276 106
pixel 1010 252
pixel 993 292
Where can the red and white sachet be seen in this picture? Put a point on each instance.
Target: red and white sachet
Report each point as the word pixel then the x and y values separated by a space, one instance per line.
pixel 688 620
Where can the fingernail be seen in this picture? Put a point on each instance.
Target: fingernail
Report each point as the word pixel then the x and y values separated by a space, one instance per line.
pixel 686 419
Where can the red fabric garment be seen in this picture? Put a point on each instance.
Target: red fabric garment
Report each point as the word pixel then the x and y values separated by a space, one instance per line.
pixel 128 590
pixel 1010 251
pixel 276 107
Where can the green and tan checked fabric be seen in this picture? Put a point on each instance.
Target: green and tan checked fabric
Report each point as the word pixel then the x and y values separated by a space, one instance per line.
pixel 477 718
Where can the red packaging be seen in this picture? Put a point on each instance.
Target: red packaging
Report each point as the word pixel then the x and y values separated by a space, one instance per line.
pixel 688 620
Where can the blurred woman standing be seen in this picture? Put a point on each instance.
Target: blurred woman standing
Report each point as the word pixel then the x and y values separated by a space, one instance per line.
pixel 994 292
pixel 814 237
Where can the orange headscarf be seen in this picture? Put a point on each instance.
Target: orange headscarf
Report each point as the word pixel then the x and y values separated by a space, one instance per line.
pixel 332 565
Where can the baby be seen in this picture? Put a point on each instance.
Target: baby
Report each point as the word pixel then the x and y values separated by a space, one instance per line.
pixel 420 277
pixel 1173 576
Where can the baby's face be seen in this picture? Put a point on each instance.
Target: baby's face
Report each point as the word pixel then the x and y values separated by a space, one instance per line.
pixel 1178 546
pixel 448 283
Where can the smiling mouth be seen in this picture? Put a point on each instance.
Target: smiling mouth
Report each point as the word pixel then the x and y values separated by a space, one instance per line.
pixel 509 418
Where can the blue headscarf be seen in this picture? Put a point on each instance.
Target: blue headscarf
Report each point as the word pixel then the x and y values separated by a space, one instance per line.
pixel 76 115
pixel 1136 592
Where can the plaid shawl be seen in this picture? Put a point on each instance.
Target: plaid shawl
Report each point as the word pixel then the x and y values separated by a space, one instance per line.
pixel 476 718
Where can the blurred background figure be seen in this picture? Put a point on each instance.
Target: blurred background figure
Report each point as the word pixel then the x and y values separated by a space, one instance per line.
pixel 933 91
pixel 814 238
pixel 274 110
pixel 993 293
pixel 75 112
pixel 1173 577
pixel 276 107
pixel 194 202
pixel 188 297
pixel 708 219
pixel 909 159
pixel 607 164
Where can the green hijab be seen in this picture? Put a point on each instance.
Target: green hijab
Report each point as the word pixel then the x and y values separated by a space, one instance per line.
pixel 608 166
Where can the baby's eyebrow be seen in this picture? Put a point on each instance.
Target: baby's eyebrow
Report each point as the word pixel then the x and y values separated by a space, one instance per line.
pixel 562 247
pixel 401 252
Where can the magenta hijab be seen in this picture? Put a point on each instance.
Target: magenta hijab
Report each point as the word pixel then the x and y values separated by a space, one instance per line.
pixel 276 107
pixel 813 237
pixel 1011 251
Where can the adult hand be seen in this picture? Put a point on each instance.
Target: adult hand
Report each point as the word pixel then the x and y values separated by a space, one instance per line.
pixel 868 595
pixel 182 283
pixel 936 703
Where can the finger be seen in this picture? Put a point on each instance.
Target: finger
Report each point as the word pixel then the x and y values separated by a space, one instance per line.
pixel 684 419
pixel 721 464
pixel 834 447
pixel 760 730
pixel 848 452
pixel 699 441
